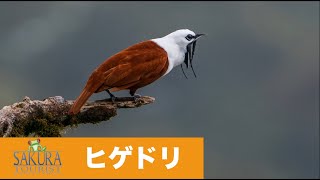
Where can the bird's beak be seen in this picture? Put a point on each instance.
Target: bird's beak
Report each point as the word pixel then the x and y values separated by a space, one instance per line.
pixel 197 36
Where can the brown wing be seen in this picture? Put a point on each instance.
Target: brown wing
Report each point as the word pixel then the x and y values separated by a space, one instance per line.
pixel 140 64
pixel 133 67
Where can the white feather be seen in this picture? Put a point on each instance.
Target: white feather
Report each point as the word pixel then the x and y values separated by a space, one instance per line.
pixel 175 45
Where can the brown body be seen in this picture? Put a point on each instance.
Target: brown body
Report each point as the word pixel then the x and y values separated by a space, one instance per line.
pixel 131 69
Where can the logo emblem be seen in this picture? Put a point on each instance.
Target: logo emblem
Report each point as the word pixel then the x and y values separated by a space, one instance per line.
pixel 35 146
pixel 37 159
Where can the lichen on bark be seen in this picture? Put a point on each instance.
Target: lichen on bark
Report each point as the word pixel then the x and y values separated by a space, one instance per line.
pixel 48 118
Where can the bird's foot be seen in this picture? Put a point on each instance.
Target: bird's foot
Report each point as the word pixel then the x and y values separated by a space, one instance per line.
pixel 113 99
pixel 136 97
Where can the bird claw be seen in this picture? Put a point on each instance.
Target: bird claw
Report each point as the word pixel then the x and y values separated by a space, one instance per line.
pixel 113 99
pixel 136 97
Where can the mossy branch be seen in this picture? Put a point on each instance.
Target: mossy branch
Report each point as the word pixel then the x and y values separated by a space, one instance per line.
pixel 48 118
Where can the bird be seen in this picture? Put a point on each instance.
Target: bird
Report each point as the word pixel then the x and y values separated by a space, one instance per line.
pixel 139 65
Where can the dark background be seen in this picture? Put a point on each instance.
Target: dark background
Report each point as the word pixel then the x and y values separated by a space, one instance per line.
pixel 255 100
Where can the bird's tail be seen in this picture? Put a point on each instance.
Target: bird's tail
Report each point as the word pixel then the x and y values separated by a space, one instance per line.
pixel 80 101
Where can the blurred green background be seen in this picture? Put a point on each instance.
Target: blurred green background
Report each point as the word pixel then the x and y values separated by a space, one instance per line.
pixel 256 98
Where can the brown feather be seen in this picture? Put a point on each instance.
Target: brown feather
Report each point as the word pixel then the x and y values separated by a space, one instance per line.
pixel 80 101
pixel 131 68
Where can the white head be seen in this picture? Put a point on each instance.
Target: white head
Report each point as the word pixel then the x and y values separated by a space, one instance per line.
pixel 180 46
pixel 182 37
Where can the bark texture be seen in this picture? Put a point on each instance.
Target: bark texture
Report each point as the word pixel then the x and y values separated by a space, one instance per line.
pixel 48 118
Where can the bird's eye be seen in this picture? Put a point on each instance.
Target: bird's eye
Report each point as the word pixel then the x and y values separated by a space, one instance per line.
pixel 189 37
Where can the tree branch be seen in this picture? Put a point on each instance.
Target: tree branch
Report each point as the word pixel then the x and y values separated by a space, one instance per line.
pixel 50 116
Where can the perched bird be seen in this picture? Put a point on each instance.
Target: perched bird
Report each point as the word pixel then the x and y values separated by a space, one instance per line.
pixel 140 65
